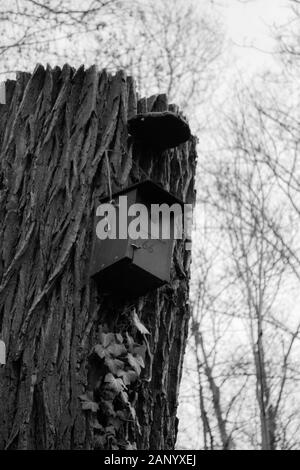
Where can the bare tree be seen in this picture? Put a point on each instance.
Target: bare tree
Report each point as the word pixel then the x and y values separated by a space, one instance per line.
pixel 168 46
pixel 33 31
pixel 251 216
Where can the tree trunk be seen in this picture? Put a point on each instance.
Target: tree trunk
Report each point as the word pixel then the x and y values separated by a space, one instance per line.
pixel 59 390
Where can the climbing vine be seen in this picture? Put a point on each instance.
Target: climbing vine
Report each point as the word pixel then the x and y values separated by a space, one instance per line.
pixel 115 375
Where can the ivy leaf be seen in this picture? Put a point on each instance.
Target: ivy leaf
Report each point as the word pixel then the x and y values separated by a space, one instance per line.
pixel 100 350
pixel 112 349
pixel 88 402
pixel 140 360
pixel 114 384
pixel 139 325
pixel 119 337
pixel 114 365
pixel 90 405
pixel 88 396
pixel 128 376
pixel 125 397
pixel 116 349
pixel 108 394
pixel 136 363
pixel 140 350
pixel 130 341
pixel 107 407
pixel 106 339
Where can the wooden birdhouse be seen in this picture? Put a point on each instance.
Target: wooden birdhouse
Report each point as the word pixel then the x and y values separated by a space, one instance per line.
pixel 134 237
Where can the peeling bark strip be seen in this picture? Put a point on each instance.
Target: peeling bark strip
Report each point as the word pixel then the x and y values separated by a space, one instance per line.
pixel 55 129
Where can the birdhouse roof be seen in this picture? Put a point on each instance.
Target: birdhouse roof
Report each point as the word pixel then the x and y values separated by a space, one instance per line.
pixel 151 191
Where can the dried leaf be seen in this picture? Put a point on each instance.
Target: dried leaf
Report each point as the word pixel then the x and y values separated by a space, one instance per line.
pixel 139 325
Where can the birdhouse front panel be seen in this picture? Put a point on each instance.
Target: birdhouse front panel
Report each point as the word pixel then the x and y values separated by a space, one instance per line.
pixel 132 262
pixel 154 255
pixel 111 250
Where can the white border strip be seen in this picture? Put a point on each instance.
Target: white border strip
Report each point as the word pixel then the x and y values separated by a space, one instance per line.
pixel 2 93
pixel 2 353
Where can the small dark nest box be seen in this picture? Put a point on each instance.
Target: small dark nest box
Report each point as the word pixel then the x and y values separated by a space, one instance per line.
pixel 160 131
pixel 131 267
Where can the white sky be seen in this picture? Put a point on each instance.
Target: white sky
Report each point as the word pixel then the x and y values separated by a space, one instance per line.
pixel 248 24
pixel 248 27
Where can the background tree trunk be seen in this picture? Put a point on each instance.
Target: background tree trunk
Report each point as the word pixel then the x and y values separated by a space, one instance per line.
pixel 55 128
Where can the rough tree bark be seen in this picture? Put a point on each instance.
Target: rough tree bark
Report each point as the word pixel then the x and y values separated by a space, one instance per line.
pixel 55 128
